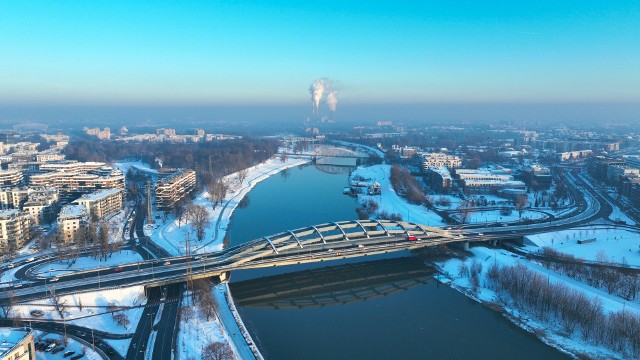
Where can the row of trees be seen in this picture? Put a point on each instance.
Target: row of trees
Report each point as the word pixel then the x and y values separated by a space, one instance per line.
pixel 406 185
pixel 575 312
pixel 614 281
pixel 214 157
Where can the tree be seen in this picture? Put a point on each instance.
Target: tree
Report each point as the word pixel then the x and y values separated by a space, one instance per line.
pixel 199 217
pixel 8 307
pixel 217 190
pixel 217 351
pixel 242 174
pixel 521 203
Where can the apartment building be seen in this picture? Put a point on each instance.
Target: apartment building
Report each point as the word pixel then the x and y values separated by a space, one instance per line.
pixel 72 183
pixel 70 220
pixel 12 177
pixel 14 229
pixel 17 344
pixel 102 202
pixel 42 205
pixel 441 159
pixel 174 187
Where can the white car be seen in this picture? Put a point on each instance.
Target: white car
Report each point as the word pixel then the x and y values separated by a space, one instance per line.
pixel 167 263
pixel 31 259
pixel 54 279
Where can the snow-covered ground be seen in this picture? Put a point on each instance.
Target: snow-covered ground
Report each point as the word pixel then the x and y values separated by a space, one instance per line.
pixel 493 216
pixel 392 202
pixel 196 331
pixel 89 309
pixel 72 345
pixel 171 234
pixel 60 267
pixel 551 333
pixel 615 244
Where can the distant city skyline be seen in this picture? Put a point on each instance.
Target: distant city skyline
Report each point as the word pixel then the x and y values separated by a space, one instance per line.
pixel 269 52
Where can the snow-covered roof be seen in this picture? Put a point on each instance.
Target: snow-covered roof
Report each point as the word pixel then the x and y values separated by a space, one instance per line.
pixel 73 211
pixel 97 195
pixel 443 171
pixel 10 337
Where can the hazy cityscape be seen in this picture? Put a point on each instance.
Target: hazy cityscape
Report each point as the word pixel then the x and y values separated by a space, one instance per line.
pixel 278 180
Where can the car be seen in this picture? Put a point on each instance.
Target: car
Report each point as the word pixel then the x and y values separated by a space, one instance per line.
pixel 31 259
pixel 50 347
pixel 57 350
pixel 199 257
pixel 79 356
pixel 81 333
pixel 412 238
pixel 167 262
pixel 12 265
pixel 16 286
pixel 68 353
pixel 54 279
pixel 118 269
pixel 162 299
pixel 330 250
pixel 480 234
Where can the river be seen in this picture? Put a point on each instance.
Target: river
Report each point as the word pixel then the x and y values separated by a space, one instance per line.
pixel 405 316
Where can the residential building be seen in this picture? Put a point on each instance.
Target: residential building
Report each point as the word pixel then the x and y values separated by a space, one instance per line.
pixel 70 220
pixel 17 344
pixel 72 183
pixel 166 132
pixel 100 134
pixel 13 198
pixel 598 166
pixel 537 177
pixel 11 177
pixel 573 155
pixel 174 187
pixel 439 178
pixel 441 159
pixel 42 205
pixel 14 229
pixel 102 202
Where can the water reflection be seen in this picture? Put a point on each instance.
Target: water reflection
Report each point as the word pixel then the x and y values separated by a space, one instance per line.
pixel 333 285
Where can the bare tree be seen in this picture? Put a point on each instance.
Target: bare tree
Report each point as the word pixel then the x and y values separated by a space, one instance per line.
pixel 8 307
pixel 242 174
pixel 217 351
pixel 464 209
pixel 217 189
pixel 521 203
pixel 59 304
pixel 199 217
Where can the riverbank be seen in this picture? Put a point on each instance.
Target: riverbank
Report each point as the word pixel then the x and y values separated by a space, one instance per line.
pixel 170 233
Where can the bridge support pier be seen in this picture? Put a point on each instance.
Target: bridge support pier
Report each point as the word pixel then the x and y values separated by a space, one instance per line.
pixel 494 242
pixel 224 276
pixel 465 245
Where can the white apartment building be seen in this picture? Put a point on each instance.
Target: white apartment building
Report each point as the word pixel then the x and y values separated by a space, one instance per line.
pixel 17 344
pixel 11 177
pixel 14 229
pixel 70 220
pixel 103 202
pixel 441 160
pixel 174 187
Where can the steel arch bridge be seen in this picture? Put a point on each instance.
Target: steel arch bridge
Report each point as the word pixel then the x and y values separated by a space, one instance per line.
pixel 344 239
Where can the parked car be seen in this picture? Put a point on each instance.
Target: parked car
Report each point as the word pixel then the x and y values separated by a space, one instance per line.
pixel 68 353
pixel 412 238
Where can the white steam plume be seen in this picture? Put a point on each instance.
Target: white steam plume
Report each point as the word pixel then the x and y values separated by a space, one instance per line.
pixel 317 91
pixel 332 100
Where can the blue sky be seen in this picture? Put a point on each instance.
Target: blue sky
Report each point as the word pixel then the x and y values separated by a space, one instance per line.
pixel 235 52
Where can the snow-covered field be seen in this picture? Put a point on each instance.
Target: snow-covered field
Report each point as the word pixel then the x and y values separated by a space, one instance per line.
pixel 392 202
pixel 551 333
pixel 89 309
pixel 615 244
pixel 58 267
pixel 493 216
pixel 170 234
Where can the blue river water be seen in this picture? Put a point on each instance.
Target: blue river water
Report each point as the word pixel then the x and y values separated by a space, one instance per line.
pixel 392 321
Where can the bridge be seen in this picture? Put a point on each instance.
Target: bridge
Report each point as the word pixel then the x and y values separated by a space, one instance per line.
pixel 317 243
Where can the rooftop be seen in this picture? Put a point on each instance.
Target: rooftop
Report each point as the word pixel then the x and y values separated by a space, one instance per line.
pixel 10 337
